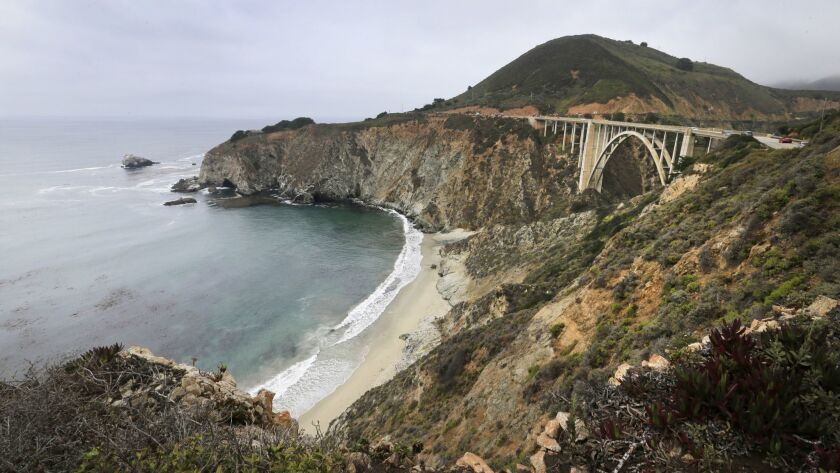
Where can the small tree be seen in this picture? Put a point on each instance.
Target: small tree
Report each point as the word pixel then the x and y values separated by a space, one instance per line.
pixel 618 117
pixel 684 64
pixel 643 44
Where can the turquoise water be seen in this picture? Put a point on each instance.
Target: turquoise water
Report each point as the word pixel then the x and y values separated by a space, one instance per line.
pixel 89 256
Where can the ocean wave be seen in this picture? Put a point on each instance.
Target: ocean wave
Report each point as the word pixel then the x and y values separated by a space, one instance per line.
pixel 287 378
pixel 94 168
pixel 406 268
pixel 306 382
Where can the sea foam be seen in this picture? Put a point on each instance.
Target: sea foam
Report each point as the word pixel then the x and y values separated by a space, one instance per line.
pixel 406 268
pixel 306 382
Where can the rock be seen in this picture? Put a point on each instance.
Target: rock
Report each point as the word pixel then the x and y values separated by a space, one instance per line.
pixel 619 374
pixel 520 468
pixel 548 443
pixel 657 363
pixel 228 378
pixel 264 399
pixel 821 306
pixel 283 418
pixel 131 161
pixel 538 461
pixel 177 393
pixel 304 198
pixel 189 184
pixel 562 419
pixel 784 313
pixel 474 462
pixel 581 432
pixel 358 462
pixel 696 346
pixel 552 427
pixel 758 326
pixel 181 201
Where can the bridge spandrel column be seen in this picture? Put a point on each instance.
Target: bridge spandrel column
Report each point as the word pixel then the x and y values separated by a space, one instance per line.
pixel 587 158
pixel 687 148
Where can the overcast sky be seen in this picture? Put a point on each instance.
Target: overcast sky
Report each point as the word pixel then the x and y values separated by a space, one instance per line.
pixel 351 59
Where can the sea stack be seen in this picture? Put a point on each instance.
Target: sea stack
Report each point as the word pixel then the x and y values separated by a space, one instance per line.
pixel 131 161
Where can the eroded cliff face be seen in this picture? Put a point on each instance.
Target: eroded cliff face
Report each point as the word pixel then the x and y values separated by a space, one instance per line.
pixel 546 311
pixel 445 172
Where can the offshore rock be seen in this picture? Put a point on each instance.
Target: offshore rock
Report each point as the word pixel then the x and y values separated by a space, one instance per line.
pixel 131 161
pixel 189 184
pixel 181 201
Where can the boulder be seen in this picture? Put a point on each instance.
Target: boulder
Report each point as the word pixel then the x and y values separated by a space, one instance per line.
pixel 181 201
pixel 696 346
pixel 131 161
pixel 619 374
pixel 474 462
pixel 552 427
pixel 758 326
pixel 189 184
pixel 821 306
pixel 548 443
pixel 283 418
pixel 581 432
pixel 657 363
pixel 538 461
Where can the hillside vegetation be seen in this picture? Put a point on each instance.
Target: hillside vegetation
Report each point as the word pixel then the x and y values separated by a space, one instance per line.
pixel 756 238
pixel 591 74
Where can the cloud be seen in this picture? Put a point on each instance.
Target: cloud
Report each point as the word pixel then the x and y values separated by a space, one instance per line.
pixel 354 59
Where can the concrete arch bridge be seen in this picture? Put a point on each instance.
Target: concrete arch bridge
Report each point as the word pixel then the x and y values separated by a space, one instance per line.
pixel 594 142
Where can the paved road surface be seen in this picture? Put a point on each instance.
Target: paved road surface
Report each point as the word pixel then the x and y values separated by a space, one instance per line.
pixel 774 143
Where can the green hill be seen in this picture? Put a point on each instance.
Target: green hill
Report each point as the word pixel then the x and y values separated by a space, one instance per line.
pixel 591 74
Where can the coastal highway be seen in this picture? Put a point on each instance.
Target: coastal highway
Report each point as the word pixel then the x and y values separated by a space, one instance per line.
pixel 773 143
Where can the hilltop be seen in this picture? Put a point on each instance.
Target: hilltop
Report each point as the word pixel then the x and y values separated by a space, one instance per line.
pixel 591 74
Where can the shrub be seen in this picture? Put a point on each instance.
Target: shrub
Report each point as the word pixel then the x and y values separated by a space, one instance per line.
pixel 238 135
pixel 684 64
pixel 299 122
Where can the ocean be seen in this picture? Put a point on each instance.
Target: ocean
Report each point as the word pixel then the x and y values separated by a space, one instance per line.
pixel 281 294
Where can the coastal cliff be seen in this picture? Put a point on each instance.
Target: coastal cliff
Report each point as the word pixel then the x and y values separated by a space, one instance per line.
pixel 444 171
pixel 555 295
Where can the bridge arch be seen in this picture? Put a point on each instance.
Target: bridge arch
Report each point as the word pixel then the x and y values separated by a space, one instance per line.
pixel 661 157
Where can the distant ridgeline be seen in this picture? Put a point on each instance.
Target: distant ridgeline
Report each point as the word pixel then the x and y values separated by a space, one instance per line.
pixel 299 122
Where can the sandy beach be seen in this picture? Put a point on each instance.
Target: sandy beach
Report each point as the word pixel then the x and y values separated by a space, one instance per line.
pixel 417 302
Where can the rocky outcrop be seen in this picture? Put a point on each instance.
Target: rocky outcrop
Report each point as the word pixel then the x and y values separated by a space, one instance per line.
pixel 213 392
pixel 181 201
pixel 474 463
pixel 445 172
pixel 189 184
pixel 131 161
